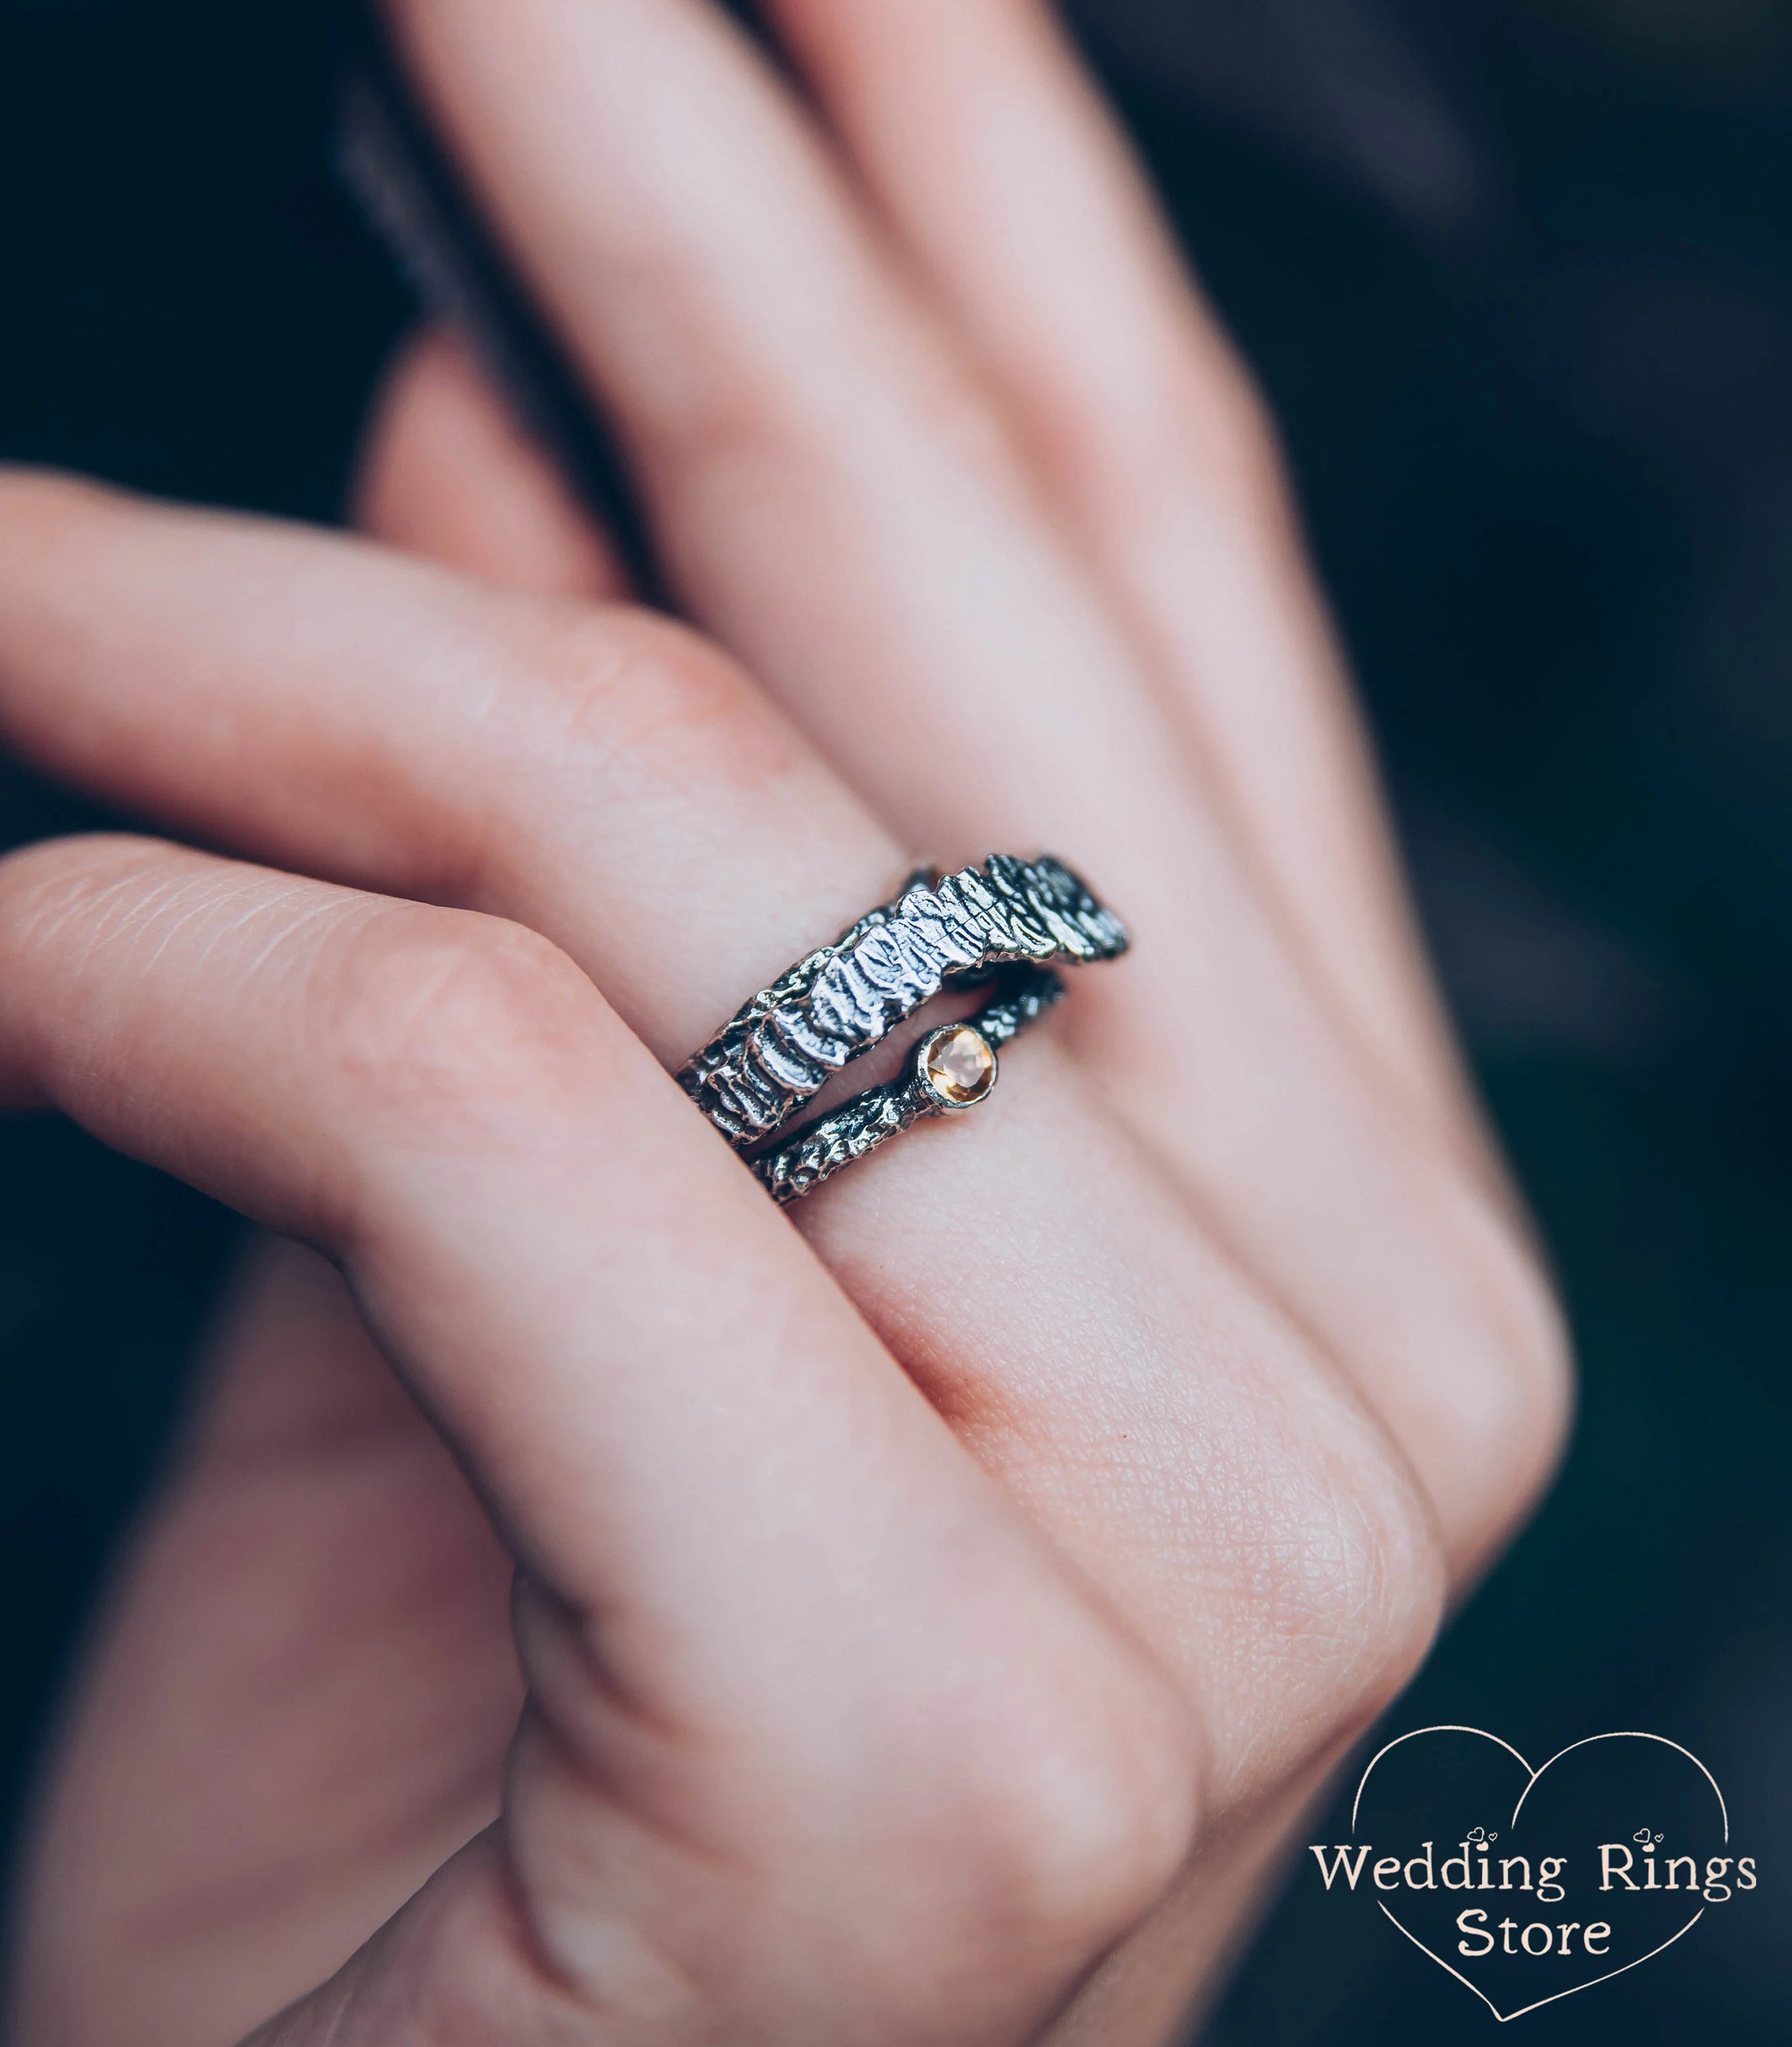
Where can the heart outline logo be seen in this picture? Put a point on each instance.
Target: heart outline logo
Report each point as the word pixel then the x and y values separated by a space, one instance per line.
pixel 1532 1778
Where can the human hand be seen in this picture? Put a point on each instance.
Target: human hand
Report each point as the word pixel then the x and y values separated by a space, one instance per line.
pixel 930 1616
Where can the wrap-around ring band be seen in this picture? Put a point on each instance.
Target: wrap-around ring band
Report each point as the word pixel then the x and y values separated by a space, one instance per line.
pixel 951 1068
pixel 1006 921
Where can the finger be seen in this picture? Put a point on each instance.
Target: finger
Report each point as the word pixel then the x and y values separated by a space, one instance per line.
pixel 447 472
pixel 991 157
pixel 712 1476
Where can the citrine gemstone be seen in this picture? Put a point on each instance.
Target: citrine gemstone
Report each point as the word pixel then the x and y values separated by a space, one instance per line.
pixel 958 1065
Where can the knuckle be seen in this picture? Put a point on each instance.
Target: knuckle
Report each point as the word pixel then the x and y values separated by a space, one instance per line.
pixel 1103 1807
pixel 1490 1447
pixel 455 1018
pixel 1068 1817
pixel 1358 1552
pixel 619 690
pixel 1390 1588
pixel 1512 1416
pixel 1541 1406
pixel 1354 1586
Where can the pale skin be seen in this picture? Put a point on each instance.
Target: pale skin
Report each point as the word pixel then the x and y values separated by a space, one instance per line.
pixel 591 1606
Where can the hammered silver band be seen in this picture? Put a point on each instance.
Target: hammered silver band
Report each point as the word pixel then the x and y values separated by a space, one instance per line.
pixel 858 1127
pixel 954 931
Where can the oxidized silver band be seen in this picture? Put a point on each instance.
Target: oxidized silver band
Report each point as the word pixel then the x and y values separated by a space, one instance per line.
pixel 929 1086
pixel 778 1049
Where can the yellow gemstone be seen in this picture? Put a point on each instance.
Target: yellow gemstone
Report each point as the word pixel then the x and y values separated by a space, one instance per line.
pixel 958 1065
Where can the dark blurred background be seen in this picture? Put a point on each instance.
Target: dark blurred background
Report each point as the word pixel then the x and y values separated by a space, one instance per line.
pixel 1517 275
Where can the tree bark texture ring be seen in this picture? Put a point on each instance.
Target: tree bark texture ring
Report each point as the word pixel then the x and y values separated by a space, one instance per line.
pixel 952 931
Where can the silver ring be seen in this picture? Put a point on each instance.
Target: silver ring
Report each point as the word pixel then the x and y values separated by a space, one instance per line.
pixel 955 932
pixel 948 1071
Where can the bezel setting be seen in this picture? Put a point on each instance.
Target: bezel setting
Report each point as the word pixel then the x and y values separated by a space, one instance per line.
pixel 938 1095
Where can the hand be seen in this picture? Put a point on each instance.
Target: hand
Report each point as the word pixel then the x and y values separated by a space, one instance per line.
pixel 930 1617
